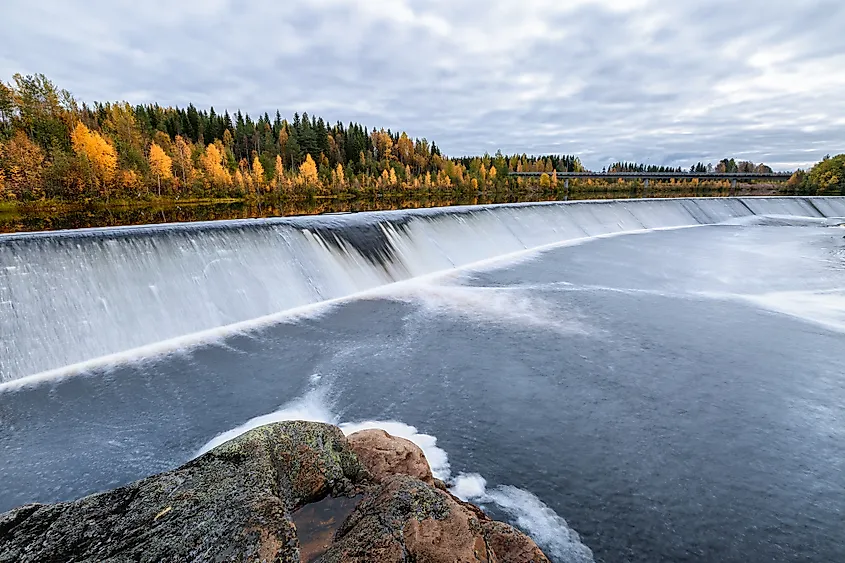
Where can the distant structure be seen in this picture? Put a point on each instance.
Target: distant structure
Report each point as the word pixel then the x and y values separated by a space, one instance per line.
pixel 647 176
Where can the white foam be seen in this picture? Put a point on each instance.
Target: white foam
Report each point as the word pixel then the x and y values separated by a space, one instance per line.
pixel 154 285
pixel 312 408
pixel 511 305
pixel 525 510
pixel 469 486
pixel 822 307
pixel 777 220
pixel 530 514
pixel 218 334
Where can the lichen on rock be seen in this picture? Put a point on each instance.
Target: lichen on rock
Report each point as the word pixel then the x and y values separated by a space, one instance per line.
pixel 236 503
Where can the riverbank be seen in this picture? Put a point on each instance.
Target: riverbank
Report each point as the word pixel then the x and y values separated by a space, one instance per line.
pixel 45 215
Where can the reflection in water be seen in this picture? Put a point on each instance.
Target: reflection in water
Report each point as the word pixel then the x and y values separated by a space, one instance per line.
pixel 44 219
pixel 317 523
pixel 172 212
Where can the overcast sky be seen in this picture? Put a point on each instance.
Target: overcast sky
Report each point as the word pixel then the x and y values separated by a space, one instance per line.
pixel 657 81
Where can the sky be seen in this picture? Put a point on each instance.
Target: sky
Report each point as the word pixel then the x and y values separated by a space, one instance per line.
pixel 654 81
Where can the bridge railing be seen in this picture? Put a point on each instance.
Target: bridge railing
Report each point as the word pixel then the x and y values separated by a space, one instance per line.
pixel 779 176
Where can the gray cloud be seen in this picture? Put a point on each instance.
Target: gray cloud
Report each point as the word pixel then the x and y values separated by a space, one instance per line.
pixel 648 80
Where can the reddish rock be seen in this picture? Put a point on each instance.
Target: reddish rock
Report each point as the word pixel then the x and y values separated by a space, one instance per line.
pixel 407 519
pixel 511 545
pixel 286 492
pixel 384 456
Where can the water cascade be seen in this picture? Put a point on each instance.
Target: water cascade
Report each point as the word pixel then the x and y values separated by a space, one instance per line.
pixel 69 297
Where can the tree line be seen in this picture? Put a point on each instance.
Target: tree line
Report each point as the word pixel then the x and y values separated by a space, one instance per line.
pixel 722 167
pixel 52 147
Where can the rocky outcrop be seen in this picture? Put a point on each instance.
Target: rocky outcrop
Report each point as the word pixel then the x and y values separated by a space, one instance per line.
pixel 385 455
pixel 408 520
pixel 233 503
pixel 290 491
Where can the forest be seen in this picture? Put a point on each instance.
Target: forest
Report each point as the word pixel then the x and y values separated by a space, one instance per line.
pixel 53 148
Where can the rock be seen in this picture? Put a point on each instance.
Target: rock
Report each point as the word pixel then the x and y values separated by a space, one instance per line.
pixel 509 544
pixel 233 504
pixel 244 500
pixel 384 456
pixel 408 520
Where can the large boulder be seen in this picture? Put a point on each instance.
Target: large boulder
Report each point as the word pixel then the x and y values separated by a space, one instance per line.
pixel 286 492
pixel 408 520
pixel 384 455
pixel 232 504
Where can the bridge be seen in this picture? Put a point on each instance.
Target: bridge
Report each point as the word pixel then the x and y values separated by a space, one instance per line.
pixel 646 176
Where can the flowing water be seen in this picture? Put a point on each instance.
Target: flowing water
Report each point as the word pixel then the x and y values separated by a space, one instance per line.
pixel 620 385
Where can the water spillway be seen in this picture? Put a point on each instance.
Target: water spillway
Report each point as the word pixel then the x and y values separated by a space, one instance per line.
pixel 69 297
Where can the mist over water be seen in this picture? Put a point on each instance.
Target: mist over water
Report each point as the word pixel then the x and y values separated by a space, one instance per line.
pixel 675 395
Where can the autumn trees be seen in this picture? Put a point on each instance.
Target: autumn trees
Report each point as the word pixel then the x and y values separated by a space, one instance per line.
pixel 827 177
pixel 52 147
pixel 161 165
pixel 99 156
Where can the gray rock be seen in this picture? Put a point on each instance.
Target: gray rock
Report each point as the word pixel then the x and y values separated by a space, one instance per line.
pixel 232 504
pixel 242 502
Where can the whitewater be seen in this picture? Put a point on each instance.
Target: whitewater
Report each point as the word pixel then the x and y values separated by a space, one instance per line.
pixel 654 380
pixel 67 298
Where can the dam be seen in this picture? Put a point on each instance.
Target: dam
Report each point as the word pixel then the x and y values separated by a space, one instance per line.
pixel 627 380
pixel 70 297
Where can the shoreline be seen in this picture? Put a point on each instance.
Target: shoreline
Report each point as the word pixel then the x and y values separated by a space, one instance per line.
pixel 45 215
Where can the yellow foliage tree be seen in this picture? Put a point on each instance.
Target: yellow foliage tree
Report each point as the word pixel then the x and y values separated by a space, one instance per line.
pixel 212 164
pixel 228 140
pixel 128 180
pixel 341 177
pixel 123 130
pixel 545 181
pixel 91 146
pixel 405 149
pixel 308 171
pixel 393 180
pixel 257 172
pixel 21 162
pixel 280 168
pixel 160 164
pixel 382 145
pixel 183 158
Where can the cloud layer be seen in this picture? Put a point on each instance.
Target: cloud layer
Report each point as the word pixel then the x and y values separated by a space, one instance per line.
pixel 655 81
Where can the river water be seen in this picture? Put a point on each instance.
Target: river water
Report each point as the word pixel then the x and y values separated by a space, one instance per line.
pixel 655 395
